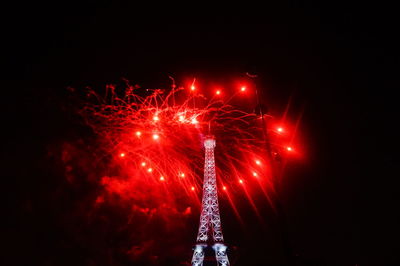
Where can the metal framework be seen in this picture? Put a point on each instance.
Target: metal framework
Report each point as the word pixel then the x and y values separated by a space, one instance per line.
pixel 210 220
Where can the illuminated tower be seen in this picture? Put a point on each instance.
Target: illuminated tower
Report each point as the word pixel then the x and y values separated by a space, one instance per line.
pixel 210 231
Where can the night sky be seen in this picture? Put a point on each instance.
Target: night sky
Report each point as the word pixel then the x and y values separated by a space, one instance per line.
pixel 337 63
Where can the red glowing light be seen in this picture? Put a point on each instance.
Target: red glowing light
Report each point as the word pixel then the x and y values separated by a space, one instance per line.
pixel 181 116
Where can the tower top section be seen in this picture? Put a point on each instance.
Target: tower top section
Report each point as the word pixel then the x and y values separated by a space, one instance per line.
pixel 209 142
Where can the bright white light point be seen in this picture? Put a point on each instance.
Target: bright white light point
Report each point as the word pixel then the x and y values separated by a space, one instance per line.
pixel 192 188
pixel 254 174
pixel 280 129
pixel 218 92
pixel 258 162
pixel 243 89
pixel 150 170
pixel 162 178
pixel 224 187
pixel 194 121
pixel 182 175
pixel 193 88
pixel 155 136
pixel 240 181
pixel 143 164
pixel 181 118
pixel 122 154
pixel 289 148
pixel 138 133
pixel 155 118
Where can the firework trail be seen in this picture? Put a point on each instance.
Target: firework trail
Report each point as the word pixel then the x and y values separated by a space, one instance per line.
pixel 149 144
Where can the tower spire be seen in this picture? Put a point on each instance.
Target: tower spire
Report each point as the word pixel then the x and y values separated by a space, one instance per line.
pixel 210 230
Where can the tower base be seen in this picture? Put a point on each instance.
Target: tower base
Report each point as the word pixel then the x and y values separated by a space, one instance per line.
pixel 201 255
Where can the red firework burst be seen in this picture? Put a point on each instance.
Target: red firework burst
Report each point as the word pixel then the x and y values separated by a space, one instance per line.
pixel 151 141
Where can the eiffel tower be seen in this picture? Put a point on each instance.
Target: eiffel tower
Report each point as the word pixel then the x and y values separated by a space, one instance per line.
pixel 210 231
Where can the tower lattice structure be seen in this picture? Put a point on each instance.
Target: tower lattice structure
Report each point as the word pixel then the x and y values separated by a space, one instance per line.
pixel 210 231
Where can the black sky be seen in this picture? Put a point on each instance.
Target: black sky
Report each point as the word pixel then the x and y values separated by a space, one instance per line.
pixel 338 61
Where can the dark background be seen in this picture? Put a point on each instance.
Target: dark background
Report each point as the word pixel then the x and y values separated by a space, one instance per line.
pixel 339 61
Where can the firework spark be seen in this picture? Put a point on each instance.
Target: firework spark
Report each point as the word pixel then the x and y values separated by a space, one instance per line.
pixel 149 141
